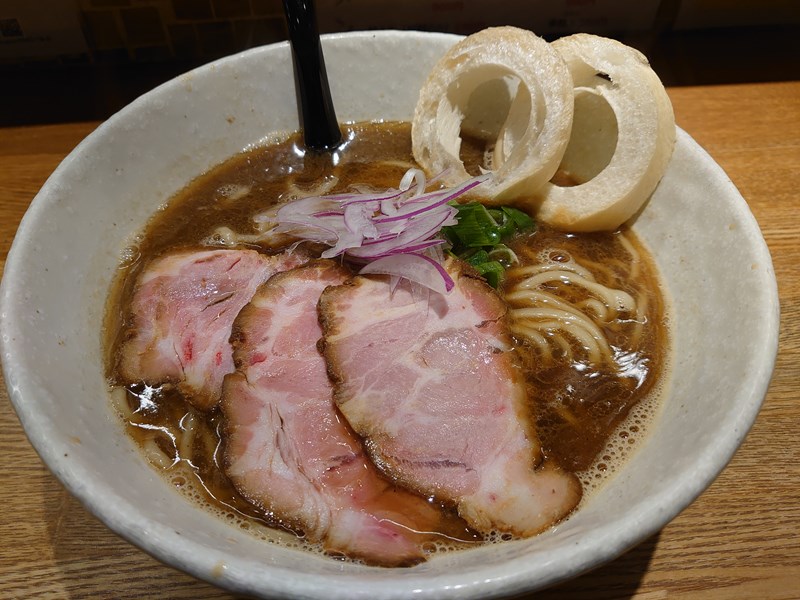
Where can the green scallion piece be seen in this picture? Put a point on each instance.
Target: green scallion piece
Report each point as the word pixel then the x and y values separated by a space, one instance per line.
pixel 476 257
pixel 475 226
pixel 521 219
pixel 502 254
pixel 478 235
pixel 492 271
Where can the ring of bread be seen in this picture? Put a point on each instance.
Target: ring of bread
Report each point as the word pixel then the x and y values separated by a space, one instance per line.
pixel 623 135
pixel 502 73
pixel 581 130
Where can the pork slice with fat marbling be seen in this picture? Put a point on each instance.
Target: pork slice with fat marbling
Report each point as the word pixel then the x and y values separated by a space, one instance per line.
pixel 431 384
pixel 286 447
pixel 183 307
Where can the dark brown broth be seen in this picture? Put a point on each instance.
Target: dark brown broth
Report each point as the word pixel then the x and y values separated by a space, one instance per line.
pixel 377 155
pixel 578 406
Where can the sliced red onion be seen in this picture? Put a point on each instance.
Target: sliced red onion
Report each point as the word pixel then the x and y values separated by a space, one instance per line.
pixel 395 231
pixel 425 247
pixel 421 229
pixel 411 209
pixel 414 267
pixel 347 241
pixel 415 177
pixel 388 207
pixel 357 219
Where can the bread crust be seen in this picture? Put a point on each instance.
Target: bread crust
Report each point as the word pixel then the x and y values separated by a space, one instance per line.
pixel 584 106
pixel 642 134
pixel 530 140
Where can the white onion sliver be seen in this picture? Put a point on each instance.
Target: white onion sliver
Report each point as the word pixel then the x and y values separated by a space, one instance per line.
pixel 413 267
pixel 358 220
pixel 415 176
pixel 387 230
pixel 388 207
pixel 420 229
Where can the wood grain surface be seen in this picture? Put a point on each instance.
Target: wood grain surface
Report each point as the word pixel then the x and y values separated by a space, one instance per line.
pixel 740 539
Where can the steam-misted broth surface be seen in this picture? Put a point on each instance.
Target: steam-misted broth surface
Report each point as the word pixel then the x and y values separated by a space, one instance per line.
pixel 580 407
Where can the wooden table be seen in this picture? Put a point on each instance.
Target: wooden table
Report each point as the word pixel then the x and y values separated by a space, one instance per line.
pixel 740 539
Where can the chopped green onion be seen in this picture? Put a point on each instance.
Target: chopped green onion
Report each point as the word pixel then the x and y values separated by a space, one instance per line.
pixel 478 237
pixel 475 227
pixel 521 219
pixel 503 254
pixel 492 271
pixel 506 226
pixel 476 257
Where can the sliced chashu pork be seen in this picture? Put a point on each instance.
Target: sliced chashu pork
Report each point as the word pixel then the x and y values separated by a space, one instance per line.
pixel 183 306
pixel 287 449
pixel 430 383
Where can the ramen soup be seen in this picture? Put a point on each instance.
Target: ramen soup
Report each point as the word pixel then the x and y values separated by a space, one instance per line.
pixel 585 318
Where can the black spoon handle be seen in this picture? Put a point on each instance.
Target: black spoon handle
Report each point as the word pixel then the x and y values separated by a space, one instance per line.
pixel 318 119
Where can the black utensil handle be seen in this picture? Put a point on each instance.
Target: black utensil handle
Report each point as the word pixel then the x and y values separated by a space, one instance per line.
pixel 318 118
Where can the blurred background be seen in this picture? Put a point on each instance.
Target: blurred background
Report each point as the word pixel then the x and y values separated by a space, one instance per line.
pixel 78 60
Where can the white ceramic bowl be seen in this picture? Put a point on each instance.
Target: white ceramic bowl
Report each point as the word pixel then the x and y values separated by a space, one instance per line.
pixel 707 244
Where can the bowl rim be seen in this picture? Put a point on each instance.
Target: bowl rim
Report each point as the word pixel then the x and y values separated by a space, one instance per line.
pixel 486 582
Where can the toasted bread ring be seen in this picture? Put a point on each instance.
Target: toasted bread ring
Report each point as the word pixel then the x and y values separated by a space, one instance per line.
pixel 622 139
pixel 502 71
